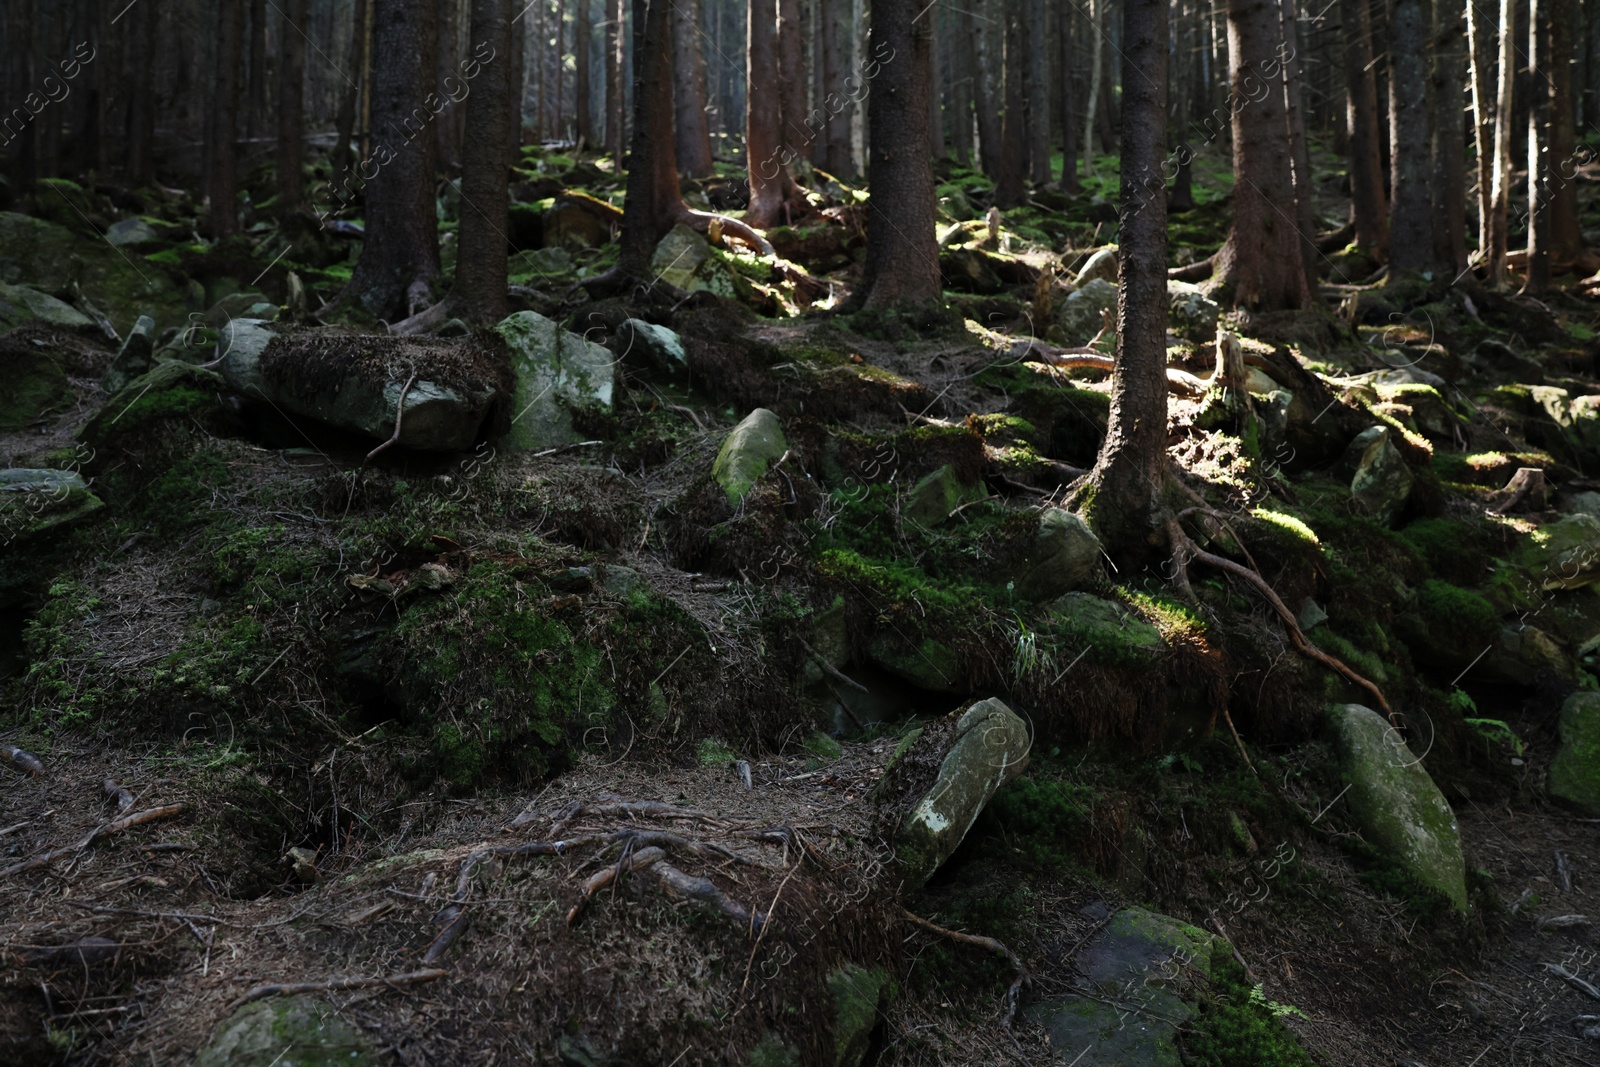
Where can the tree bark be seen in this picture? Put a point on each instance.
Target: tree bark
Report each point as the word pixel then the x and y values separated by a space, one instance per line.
pixel 1448 73
pixel 1096 13
pixel 653 201
pixel 1299 150
pixel 224 188
pixel 902 266
pixel 1538 279
pixel 1410 168
pixel 1069 129
pixel 793 132
pixel 763 112
pixel 961 75
pixel 1250 266
pixel 481 259
pixel 448 125
pixel 1038 103
pixel 399 261
pixel 936 138
pixel 345 121
pixel 614 71
pixel 840 99
pixel 1478 38
pixel 291 87
pixel 1009 190
pixel 1500 190
pixel 581 46
pixel 1124 505
pixel 1566 237
pixel 256 97
pixel 141 101
pixel 988 94
pixel 689 68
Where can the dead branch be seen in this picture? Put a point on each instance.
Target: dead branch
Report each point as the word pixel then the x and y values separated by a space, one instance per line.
pixel 399 412
pixel 1194 272
pixel 119 794
pixel 286 989
pixel 103 830
pixel 1014 991
pixel 689 887
pixel 731 227
pixel 22 759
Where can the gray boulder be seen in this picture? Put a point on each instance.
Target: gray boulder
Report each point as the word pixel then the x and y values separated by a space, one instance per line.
pixel 986 745
pixel 1382 482
pixel 1064 554
pixel 1395 803
pixel 1563 554
pixel 288 1032
pixel 35 500
pixel 1190 312
pixel 133 231
pixel 858 993
pixel 50 258
pixel 556 370
pixel 746 453
pixel 134 357
pixel 650 344
pixel 1575 771
pixel 933 499
pixel 1078 318
pixel 19 305
pixel 684 259
pixel 1100 266
pixel 1523 654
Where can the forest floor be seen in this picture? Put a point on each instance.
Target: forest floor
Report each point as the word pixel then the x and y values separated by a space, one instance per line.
pixel 354 704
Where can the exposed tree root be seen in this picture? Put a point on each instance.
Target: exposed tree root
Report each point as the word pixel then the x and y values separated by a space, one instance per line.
pixel 1014 992
pixel 701 222
pixel 103 830
pixel 285 989
pixel 399 412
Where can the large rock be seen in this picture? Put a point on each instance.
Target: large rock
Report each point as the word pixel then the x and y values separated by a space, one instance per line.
pixel 134 357
pixel 51 258
pixel 19 305
pixel 1524 655
pixel 1138 981
pixel 968 270
pixel 289 1032
pixel 1382 482
pixel 356 382
pixel 1578 417
pixel 1395 804
pixel 933 499
pixel 1064 554
pixel 927 664
pixel 857 994
pixel 748 450
pixel 1575 771
pixel 1100 266
pixel 651 345
pixel 132 231
pixel 684 259
pixel 1190 312
pixel 1564 554
pixel 986 747
pixel 556 370
pixel 33 501
pixel 35 386
pixel 1079 318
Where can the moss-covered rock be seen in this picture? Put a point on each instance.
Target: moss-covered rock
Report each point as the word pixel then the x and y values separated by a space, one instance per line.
pixel 50 258
pixel 933 499
pixel 1395 803
pixel 33 501
pixel 1382 481
pixel 1064 555
pixel 1564 554
pixel 35 386
pixel 292 1032
pixel 1575 771
pixel 857 993
pixel 555 371
pixel 19 304
pixel 752 446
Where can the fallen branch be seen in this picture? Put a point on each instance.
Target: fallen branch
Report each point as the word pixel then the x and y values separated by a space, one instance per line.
pixel 285 989
pixel 104 830
pixel 22 759
pixel 1014 991
pixel 399 412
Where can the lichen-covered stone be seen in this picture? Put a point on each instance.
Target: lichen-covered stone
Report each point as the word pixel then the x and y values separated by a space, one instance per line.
pixel 1064 554
pixel 650 344
pixel 32 501
pixel 1190 312
pixel 1079 318
pixel 555 370
pixel 752 446
pixel 20 304
pixel 50 258
pixel 857 993
pixel 134 357
pixel 1382 482
pixel 927 664
pixel 684 259
pixel 932 500
pixel 1395 803
pixel 292 1032
pixel 1564 554
pixel 35 386
pixel 988 748
pixel 1575 771
pixel 1100 266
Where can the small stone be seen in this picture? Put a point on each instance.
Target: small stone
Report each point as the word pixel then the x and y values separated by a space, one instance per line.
pixel 302 1031
pixel 657 345
pixel 134 231
pixel 133 358
pixel 20 304
pixel 933 499
pixel 754 444
pixel 1101 266
pixel 1079 317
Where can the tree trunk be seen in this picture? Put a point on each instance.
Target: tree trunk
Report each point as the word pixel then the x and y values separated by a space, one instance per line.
pixel 689 69
pixel 345 121
pixel 1448 73
pixel 902 264
pixel 1069 129
pixel 961 75
pixel 1038 91
pixel 399 260
pixel 1566 238
pixel 1500 191
pixel 514 96
pixel 1299 151
pixel 224 189
pixel 793 132
pixel 448 124
pixel 1250 266
pixel 256 97
pixel 1410 169
pixel 1096 14
pixel 481 259
pixel 581 45
pixel 763 111
pixel 1009 190
pixel 1478 38
pixel 141 101
pixel 653 202
pixel 840 101
pixel 987 90
pixel 1539 165
pixel 291 85
pixel 614 70
pixel 936 138
pixel 1124 505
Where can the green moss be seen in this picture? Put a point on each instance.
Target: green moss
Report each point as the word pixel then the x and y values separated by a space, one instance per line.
pixel 1238 1027
pixel 1461 613
pixel 1364 662
pixel 1044 823
pixel 712 752
pixel 1287 523
pixel 822 746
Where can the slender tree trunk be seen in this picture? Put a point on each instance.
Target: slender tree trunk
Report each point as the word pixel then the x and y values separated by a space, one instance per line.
pixel 986 99
pixel 399 261
pixel 842 89
pixel 256 97
pixel 1500 191
pixel 1299 151
pixel 448 124
pixel 88 147
pixel 1447 74
pixel 653 202
pixel 581 46
pixel 961 74
pixel 291 84
pixel 224 215
pixel 1566 238
pixel 1411 209
pixel 514 97
pixel 1181 197
pixel 793 132
pixel 1038 103
pixel 902 266
pixel 1069 129
pixel 345 122
pixel 481 261
pixel 22 137
pixel 763 113
pixel 1479 38
pixel 1009 190
pixel 1097 38
pixel 1539 163
pixel 1126 508
pixel 141 102
pixel 689 68
pixel 614 70
pixel 936 139
pixel 1250 266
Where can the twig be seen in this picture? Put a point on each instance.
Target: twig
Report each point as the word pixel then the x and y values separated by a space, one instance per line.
pixel 294 988
pixel 1571 979
pixel 1014 992
pixel 399 412
pixel 1236 740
